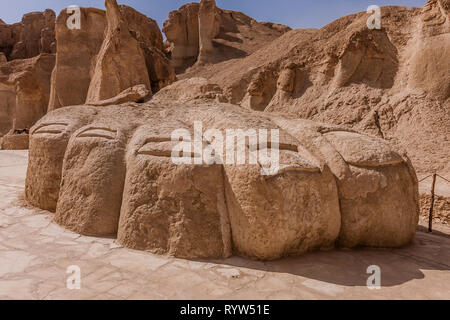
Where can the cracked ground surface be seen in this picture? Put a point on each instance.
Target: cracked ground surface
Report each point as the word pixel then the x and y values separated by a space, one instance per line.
pixel 35 254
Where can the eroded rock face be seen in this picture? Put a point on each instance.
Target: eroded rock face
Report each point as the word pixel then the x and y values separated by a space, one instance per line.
pixel 146 31
pixel 202 33
pixel 24 93
pixel 430 61
pixel 36 36
pixel 209 27
pixel 78 57
pixel 134 94
pixel 182 30
pixel 76 48
pixel 120 63
pixel 9 36
pixel 393 82
pixel 109 177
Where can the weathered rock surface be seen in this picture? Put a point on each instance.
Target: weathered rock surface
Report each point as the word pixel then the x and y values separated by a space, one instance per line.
pixel 146 31
pixel 78 54
pixel 182 32
pixel 393 82
pixel 120 63
pixel 134 94
pixel 15 140
pixel 9 36
pixel 76 48
pixel 24 92
pixel 109 177
pixel 203 33
pixel 27 39
pixel 209 27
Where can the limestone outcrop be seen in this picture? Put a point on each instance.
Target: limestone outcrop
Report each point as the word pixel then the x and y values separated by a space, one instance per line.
pixel 146 31
pixel 134 94
pixel 29 38
pixel 24 95
pixel 203 33
pixel 208 27
pixel 76 48
pixel 120 63
pixel 393 82
pixel 182 32
pixel 9 36
pixel 83 54
pixel 107 177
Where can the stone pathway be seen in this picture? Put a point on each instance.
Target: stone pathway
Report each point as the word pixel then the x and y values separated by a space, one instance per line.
pixel 35 255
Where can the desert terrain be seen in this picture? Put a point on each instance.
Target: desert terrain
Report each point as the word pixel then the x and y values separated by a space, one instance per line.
pixel 90 100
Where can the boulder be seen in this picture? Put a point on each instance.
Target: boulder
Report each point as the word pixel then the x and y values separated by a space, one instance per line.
pixel 332 186
pixel 15 140
pixel 134 94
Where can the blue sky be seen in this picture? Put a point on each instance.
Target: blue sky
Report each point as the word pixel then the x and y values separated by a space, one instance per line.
pixel 295 13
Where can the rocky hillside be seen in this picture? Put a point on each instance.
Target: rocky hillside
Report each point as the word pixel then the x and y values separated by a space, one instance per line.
pixel 393 82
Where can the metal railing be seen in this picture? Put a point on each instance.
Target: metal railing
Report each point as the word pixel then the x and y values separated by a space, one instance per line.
pixel 433 188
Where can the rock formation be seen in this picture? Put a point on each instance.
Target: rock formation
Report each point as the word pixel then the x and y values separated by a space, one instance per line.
pixel 393 82
pixel 335 185
pixel 24 95
pixel 78 55
pixel 9 36
pixel 203 33
pixel 102 158
pixel 208 28
pixel 34 35
pixel 182 33
pixel 76 49
pixel 147 33
pixel 120 63
pixel 136 94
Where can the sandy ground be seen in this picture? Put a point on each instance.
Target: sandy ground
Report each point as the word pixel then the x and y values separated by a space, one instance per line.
pixel 35 254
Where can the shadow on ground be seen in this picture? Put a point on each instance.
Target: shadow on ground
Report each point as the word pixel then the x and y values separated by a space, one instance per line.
pixel 349 267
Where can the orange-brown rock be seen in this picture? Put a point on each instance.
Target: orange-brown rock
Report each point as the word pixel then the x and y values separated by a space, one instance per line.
pixel 146 31
pixel 15 140
pixel 24 92
pixel 78 50
pixel 182 31
pixel 202 29
pixel 9 36
pixel 393 82
pixel 134 94
pixel 37 35
pixel 109 177
pixel 120 63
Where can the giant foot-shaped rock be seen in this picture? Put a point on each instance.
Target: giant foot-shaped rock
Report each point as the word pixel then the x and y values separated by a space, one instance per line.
pixel 378 187
pixel 111 171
